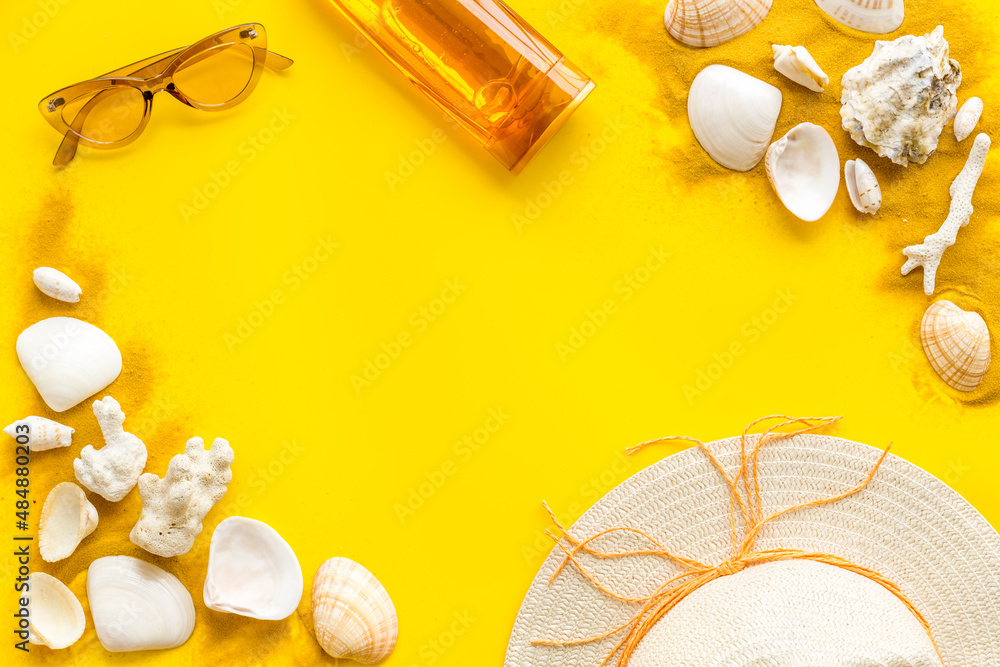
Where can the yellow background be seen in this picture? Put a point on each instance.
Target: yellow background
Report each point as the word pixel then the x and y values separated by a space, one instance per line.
pixel 330 463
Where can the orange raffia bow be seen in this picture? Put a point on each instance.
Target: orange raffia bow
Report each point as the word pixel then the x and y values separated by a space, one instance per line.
pixel 746 500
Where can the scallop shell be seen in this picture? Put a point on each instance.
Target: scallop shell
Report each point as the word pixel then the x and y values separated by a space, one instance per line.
pixel 712 22
pixel 957 343
pixel 57 618
pixel 862 186
pixel 56 284
pixel 41 433
pixel 137 606
pixel 68 360
pixel 353 615
pixel 67 518
pixel 804 170
pixel 796 64
pixel 865 15
pixel 968 117
pixel 252 571
pixel 733 115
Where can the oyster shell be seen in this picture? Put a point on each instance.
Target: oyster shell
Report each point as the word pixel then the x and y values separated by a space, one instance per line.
pixel 67 518
pixel 353 615
pixel 57 618
pixel 862 186
pixel 796 64
pixel 712 22
pixel 865 15
pixel 804 169
pixel 56 284
pixel 968 117
pixel 41 433
pixel 957 344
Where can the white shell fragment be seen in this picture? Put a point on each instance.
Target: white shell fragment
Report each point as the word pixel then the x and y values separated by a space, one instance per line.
pixel 865 15
pixel 173 507
pixel 67 518
pixel 354 617
pixel 68 360
pixel 39 433
pixel 804 170
pixel 137 606
pixel 711 22
pixel 796 64
pixel 111 471
pixel 957 343
pixel 862 186
pixel 900 98
pixel 968 117
pixel 57 618
pixel 928 254
pixel 733 115
pixel 56 284
pixel 252 571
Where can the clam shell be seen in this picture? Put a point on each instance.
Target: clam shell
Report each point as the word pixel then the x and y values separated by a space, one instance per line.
pixel 804 170
pixel 137 606
pixel 252 571
pixel 865 15
pixel 712 22
pixel 353 615
pixel 56 284
pixel 733 115
pixel 957 343
pixel 68 360
pixel 796 64
pixel 862 186
pixel 968 117
pixel 41 433
pixel 57 618
pixel 67 518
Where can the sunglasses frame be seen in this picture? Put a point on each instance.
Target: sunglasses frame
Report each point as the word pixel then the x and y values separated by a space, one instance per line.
pixel 150 76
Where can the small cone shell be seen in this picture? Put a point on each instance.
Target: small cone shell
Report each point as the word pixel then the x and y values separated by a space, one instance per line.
pixel 968 117
pixel 40 433
pixel 56 284
pixel 957 343
pixel 67 518
pixel 711 22
pixel 353 615
pixel 862 186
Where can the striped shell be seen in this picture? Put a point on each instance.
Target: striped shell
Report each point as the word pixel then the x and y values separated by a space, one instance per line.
pixel 352 613
pixel 876 16
pixel 712 22
pixel 957 343
pixel 862 186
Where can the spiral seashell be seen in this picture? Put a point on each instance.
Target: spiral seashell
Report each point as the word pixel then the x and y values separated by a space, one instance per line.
pixel 957 343
pixel 804 170
pixel 862 186
pixel 67 518
pixel 865 15
pixel 57 618
pixel 711 22
pixel 40 433
pixel 967 118
pixel 353 615
pixel 798 65
pixel 56 284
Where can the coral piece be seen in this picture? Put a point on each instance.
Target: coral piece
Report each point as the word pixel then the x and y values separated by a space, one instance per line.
pixel 39 433
pixel 928 254
pixel 353 615
pixel 56 284
pixel 67 518
pixel 967 118
pixel 112 470
pixel 798 65
pixel 865 15
pixel 712 22
pixel 173 507
pixel 957 344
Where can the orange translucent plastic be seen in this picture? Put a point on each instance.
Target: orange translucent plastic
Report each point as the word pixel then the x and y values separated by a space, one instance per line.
pixel 112 110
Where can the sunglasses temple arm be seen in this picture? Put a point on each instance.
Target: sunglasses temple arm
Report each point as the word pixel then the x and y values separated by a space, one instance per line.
pixel 277 62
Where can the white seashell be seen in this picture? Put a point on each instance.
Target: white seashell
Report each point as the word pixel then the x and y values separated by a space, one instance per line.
pixel 39 433
pixel 862 186
pixel 968 117
pixel 865 15
pixel 137 606
pixel 57 618
pixel 957 343
pixel 712 22
pixel 67 518
pixel 56 284
pixel 796 63
pixel 804 169
pixel 252 571
pixel 112 470
pixel 173 507
pixel 733 115
pixel 900 98
pixel 353 615
pixel 68 360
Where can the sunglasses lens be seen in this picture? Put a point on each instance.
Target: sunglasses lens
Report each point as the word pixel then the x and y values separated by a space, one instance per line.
pixel 105 116
pixel 217 75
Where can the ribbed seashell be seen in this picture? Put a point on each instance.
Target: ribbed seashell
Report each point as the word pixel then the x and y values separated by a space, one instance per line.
pixel 862 186
pixel 353 615
pixel 252 571
pixel 57 618
pixel 68 360
pixel 67 518
pixel 712 22
pixel 137 606
pixel 865 15
pixel 40 433
pixel 733 115
pixel 968 117
pixel 796 64
pixel 56 284
pixel 804 169
pixel 957 343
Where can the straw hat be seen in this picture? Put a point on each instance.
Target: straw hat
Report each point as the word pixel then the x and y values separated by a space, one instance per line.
pixel 905 525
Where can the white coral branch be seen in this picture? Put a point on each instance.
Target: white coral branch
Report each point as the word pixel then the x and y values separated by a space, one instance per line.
pixel 112 470
pixel 928 254
pixel 173 507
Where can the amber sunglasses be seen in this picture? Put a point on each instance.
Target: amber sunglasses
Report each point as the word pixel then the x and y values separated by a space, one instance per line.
pixel 111 111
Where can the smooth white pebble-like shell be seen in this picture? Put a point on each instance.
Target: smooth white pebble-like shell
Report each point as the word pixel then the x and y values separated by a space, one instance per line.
pixel 798 65
pixel 40 433
pixel 957 344
pixel 56 284
pixel 872 16
pixel 804 169
pixel 968 117
pixel 711 22
pixel 67 517
pixel 353 616
pixel 862 186
pixel 56 616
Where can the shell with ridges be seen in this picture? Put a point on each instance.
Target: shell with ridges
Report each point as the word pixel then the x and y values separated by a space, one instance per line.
pixel 42 433
pixel 56 284
pixel 712 22
pixel 804 170
pixel 968 117
pixel 57 618
pixel 957 344
pixel 862 186
pixel 353 615
pixel 880 16
pixel 798 65
pixel 67 517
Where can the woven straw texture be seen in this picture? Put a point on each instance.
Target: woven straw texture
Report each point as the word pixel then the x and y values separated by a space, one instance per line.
pixel 906 525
